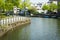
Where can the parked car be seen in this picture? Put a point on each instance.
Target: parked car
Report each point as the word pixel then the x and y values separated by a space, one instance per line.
pixel 21 13
pixel 24 13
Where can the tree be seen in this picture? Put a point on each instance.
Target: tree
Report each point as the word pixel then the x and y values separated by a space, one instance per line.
pixel 59 6
pixel 21 6
pixel 50 7
pixel 8 6
pixel 33 10
pixel 2 5
pixel 16 2
pixel 53 7
pixel 24 4
pixel 45 7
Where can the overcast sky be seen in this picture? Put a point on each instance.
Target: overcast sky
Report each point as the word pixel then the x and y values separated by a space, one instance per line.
pixel 36 1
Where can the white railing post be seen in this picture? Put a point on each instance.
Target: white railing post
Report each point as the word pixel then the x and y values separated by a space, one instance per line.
pixel 12 20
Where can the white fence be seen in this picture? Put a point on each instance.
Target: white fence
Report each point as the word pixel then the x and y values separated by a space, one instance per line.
pixel 12 20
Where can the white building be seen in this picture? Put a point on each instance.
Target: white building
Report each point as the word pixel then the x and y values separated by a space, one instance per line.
pixel 39 6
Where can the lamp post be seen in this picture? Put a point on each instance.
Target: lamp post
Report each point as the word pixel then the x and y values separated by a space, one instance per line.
pixel 24 8
pixel 0 20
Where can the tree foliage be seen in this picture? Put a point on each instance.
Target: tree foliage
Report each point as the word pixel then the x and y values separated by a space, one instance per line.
pixel 33 10
pixel 50 7
pixel 45 7
pixel 1 4
pixel 59 6
pixel 9 4
pixel 24 4
pixel 53 6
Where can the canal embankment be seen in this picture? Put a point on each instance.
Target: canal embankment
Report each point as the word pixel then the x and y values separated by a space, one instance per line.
pixel 11 23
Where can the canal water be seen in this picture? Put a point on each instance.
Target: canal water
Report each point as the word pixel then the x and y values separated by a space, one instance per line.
pixel 39 29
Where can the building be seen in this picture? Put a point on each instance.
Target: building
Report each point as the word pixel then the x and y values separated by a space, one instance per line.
pixel 38 6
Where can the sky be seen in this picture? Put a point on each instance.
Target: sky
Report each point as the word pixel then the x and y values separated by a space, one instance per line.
pixel 36 1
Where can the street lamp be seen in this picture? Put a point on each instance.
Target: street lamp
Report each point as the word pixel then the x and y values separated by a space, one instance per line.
pixel 0 20
pixel 24 8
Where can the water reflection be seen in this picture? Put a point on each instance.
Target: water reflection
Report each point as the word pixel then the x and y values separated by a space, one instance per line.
pixel 58 28
pixel 39 29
